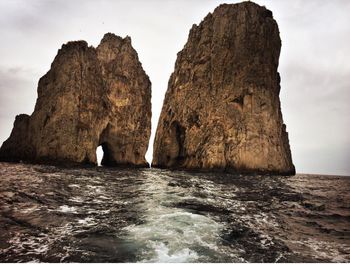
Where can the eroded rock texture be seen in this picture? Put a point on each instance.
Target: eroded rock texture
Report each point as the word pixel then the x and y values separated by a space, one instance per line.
pixel 222 108
pixel 89 97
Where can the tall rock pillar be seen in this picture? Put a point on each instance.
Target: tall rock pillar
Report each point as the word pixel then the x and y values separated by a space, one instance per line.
pixel 222 109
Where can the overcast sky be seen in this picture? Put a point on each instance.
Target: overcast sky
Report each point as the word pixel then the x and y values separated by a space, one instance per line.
pixel 314 62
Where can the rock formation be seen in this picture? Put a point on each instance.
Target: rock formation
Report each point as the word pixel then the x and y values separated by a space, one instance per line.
pixel 89 97
pixel 222 109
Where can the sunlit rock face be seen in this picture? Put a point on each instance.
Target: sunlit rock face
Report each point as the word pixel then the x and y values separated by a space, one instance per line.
pixel 89 97
pixel 128 91
pixel 222 108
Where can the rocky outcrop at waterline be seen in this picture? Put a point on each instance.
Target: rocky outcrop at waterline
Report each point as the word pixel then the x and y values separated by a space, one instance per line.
pixel 89 97
pixel 222 108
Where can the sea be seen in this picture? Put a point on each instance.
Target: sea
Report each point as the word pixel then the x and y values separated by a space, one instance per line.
pixel 99 214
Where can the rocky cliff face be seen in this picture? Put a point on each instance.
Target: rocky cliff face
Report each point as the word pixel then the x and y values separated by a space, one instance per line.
pixel 129 94
pixel 222 108
pixel 89 97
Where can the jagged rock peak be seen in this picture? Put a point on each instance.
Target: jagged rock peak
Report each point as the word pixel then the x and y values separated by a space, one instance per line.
pixel 111 46
pixel 78 44
pixel 111 37
pixel 89 98
pixel 222 108
pixel 248 5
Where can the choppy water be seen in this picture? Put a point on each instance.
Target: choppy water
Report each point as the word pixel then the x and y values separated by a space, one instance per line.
pixel 53 214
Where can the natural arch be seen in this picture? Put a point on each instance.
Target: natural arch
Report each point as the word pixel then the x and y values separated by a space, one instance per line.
pixel 99 155
pixel 104 155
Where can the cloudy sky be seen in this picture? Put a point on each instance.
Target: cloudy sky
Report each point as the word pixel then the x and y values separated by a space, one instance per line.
pixel 314 62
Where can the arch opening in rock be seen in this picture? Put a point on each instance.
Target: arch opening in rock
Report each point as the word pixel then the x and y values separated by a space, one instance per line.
pixel 107 159
pixel 99 155
pixel 104 155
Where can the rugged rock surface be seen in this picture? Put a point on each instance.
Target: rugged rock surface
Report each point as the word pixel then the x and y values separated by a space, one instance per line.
pixel 222 108
pixel 89 97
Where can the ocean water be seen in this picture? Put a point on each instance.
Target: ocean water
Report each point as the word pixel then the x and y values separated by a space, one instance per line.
pixel 53 214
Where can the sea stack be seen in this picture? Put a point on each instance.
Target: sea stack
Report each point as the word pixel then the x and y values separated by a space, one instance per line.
pixel 89 97
pixel 222 108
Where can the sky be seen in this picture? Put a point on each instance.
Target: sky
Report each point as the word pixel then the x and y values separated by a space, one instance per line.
pixel 314 61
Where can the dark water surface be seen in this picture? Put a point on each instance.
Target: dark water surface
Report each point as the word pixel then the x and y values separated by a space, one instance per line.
pixel 53 214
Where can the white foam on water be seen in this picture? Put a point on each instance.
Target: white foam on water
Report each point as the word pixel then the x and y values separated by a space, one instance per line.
pixel 74 186
pixel 326 249
pixel 95 189
pixel 67 209
pixel 94 211
pixel 171 234
pixel 162 254
pixel 76 199
pixel 88 221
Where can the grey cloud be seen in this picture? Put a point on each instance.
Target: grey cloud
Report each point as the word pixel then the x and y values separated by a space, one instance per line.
pixel 18 95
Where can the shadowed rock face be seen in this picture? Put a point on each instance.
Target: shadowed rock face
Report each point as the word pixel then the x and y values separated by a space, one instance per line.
pixel 89 97
pixel 222 108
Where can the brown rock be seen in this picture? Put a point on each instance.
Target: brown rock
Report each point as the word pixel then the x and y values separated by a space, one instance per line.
pixel 129 94
pixel 222 108
pixel 89 97
pixel 16 146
